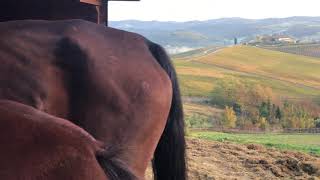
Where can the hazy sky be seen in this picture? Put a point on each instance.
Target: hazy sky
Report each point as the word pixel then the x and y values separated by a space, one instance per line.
pixel 186 10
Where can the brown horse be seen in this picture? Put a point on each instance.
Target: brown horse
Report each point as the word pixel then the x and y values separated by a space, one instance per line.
pixel 118 86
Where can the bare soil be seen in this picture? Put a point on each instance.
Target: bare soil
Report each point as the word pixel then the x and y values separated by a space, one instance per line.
pixel 209 160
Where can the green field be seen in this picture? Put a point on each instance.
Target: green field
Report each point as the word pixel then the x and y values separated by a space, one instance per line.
pixel 298 142
pixel 288 75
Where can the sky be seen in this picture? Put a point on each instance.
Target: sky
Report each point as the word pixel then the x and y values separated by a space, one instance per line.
pixel 188 10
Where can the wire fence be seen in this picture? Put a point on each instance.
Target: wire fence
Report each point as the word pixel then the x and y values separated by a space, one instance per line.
pixel 259 131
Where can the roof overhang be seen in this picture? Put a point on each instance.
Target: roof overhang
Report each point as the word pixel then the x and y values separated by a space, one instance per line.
pixel 100 2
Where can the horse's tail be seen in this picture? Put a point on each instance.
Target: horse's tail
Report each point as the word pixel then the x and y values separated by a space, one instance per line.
pixel 114 168
pixel 169 161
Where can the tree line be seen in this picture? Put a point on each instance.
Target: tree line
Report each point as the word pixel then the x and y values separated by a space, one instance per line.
pixel 248 106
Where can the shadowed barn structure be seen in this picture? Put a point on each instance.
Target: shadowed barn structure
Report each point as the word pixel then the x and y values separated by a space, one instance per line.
pixel 90 10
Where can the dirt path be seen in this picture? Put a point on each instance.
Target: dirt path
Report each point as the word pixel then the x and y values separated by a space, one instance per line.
pixel 210 160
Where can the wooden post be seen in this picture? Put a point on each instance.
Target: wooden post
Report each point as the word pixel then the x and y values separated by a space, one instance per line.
pixel 102 9
pixel 107 13
pixel 102 14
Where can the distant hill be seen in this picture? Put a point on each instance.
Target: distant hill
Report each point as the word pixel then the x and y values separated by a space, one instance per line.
pixel 288 75
pixel 195 34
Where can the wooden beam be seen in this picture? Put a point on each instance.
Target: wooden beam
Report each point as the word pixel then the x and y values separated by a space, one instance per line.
pixel 101 2
pixel 102 9
pixel 106 15
pixel 93 2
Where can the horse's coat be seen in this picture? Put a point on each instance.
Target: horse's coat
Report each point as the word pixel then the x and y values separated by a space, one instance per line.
pixel 36 145
pixel 116 85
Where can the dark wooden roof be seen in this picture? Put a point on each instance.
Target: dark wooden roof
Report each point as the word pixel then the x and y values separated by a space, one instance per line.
pixel 100 2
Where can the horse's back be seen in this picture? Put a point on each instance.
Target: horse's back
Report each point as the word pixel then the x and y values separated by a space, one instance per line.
pixel 56 65
pixel 35 145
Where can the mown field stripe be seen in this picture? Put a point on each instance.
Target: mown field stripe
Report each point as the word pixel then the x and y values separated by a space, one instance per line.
pixel 309 143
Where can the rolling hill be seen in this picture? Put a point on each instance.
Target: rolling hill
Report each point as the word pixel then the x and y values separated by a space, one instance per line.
pixel 195 34
pixel 312 50
pixel 288 75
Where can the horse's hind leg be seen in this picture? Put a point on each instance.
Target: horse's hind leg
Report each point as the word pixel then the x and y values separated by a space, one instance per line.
pixel 36 145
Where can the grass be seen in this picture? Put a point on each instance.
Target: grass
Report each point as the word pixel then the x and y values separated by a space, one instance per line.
pixel 204 110
pixel 298 142
pixel 312 50
pixel 288 75
pixel 273 64
pixel 196 52
pixel 200 116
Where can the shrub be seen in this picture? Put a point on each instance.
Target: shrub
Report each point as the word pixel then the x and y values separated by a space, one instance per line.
pixel 229 118
pixel 198 121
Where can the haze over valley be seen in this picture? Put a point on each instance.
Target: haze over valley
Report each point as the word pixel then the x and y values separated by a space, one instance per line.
pixel 184 36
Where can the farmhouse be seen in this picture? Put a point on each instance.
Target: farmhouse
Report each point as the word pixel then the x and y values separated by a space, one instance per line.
pixel 286 39
pixel 275 39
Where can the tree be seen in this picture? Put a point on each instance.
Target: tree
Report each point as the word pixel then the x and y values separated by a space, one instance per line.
pixel 317 122
pixel 272 119
pixel 264 110
pixel 237 109
pixel 226 91
pixel 229 118
pixel 263 123
pixel 278 113
pixel 235 41
pixel 296 116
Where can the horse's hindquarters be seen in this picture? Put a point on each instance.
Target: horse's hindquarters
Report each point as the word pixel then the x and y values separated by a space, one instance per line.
pixel 35 145
pixel 106 80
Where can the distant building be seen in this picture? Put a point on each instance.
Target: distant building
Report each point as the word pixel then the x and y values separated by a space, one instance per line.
pixel 275 39
pixel 287 39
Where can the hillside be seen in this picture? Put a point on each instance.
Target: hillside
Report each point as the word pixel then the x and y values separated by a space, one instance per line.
pixel 312 50
pixel 197 52
pixel 289 75
pixel 197 34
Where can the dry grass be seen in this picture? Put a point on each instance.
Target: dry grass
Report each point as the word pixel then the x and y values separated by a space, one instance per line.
pixel 199 72
pixel 214 160
pixel 192 108
pixel 288 75
pixel 209 160
pixel 278 65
